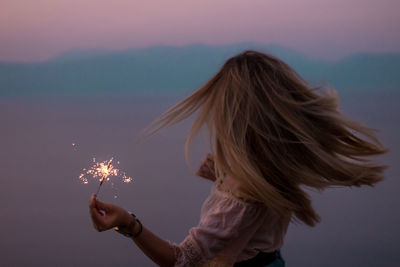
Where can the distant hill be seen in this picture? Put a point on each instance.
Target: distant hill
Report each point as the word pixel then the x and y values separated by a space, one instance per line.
pixel 176 70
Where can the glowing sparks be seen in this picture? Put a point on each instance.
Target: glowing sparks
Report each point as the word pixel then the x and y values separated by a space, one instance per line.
pixel 83 178
pixel 103 171
pixel 74 147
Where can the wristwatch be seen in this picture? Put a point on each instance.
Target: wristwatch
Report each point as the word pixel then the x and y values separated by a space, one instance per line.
pixel 124 230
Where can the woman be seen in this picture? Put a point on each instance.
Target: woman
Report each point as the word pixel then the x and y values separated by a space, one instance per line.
pixel 270 133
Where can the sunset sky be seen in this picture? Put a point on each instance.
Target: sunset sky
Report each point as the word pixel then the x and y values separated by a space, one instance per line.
pixel 35 30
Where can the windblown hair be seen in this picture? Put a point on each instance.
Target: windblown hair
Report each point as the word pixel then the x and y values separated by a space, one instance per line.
pixel 272 133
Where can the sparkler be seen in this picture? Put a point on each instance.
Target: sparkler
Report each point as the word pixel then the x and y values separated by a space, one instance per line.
pixel 74 147
pixel 103 170
pixel 106 172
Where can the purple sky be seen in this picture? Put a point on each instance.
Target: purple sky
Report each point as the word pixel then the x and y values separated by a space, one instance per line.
pixel 40 29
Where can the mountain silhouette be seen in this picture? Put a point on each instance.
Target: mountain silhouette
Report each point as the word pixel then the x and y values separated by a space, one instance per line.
pixel 170 70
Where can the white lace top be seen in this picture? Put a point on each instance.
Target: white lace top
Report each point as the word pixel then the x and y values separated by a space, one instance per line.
pixel 231 229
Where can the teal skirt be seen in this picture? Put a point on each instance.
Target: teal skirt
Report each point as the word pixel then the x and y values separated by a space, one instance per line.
pixel 278 262
pixel 263 259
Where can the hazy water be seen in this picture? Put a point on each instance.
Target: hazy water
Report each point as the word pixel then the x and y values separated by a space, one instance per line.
pixel 44 209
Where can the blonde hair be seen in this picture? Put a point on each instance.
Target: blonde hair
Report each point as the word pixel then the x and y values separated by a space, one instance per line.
pixel 273 133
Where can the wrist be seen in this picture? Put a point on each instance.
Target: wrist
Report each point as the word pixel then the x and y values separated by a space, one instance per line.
pixel 133 227
pixel 128 221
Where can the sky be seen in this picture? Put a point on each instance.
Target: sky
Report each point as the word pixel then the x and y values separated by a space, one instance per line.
pixel 41 29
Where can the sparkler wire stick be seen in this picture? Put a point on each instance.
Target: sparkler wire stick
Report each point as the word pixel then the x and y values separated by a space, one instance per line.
pixel 106 172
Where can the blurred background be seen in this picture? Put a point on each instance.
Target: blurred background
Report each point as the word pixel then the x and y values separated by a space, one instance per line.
pixel 94 73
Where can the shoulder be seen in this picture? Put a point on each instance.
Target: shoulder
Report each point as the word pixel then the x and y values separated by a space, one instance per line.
pixel 227 209
pixel 231 189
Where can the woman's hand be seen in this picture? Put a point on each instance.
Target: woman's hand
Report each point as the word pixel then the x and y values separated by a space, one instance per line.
pixel 206 169
pixel 107 216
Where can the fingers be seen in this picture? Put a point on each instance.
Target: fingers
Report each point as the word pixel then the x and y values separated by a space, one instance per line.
pixel 98 220
pixel 104 216
pixel 92 201
pixel 92 204
pixel 103 206
pixel 96 214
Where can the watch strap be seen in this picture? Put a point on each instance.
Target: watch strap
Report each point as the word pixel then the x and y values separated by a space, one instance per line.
pixel 124 229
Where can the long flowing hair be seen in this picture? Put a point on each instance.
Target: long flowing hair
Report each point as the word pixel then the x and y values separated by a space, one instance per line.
pixel 273 133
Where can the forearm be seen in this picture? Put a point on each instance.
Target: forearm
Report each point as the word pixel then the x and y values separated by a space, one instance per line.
pixel 156 248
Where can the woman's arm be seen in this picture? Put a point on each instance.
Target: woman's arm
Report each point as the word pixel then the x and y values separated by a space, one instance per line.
pixel 156 248
pixel 107 216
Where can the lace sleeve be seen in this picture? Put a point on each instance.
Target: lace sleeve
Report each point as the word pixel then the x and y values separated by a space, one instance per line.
pixel 187 254
pixel 221 235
